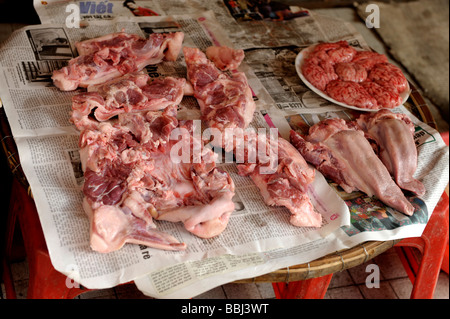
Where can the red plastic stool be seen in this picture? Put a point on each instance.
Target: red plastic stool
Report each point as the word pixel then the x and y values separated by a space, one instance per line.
pixel 44 281
pixel 445 262
pixel 314 288
pixel 432 244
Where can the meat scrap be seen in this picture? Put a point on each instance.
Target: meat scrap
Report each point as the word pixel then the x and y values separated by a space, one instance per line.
pixel 336 68
pixel 341 152
pixel 110 56
pixel 131 180
pixel 394 133
pixel 282 176
pixel 226 102
pixel 133 92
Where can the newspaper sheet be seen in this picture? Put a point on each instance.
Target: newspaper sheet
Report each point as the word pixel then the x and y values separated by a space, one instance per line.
pixel 258 239
pixel 248 24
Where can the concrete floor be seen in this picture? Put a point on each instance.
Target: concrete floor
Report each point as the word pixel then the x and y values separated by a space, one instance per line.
pixel 348 284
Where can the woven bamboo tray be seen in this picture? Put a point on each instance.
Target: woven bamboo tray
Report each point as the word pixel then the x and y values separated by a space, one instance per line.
pixel 331 263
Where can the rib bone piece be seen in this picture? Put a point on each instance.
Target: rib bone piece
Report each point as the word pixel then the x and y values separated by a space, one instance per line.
pixel 130 93
pixel 110 56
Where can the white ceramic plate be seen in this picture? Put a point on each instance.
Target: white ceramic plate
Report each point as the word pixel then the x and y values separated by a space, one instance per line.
pixel 298 66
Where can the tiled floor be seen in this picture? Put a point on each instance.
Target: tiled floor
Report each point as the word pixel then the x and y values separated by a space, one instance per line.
pixel 348 284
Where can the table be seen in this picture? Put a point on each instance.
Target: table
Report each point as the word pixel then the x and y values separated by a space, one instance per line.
pixel 321 268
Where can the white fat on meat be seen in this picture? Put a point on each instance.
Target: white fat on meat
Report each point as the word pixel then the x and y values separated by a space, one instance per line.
pixel 225 58
pixel 110 56
pixel 128 94
pixel 342 153
pixel 394 133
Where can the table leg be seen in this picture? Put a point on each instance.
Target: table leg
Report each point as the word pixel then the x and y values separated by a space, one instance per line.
pixel 314 288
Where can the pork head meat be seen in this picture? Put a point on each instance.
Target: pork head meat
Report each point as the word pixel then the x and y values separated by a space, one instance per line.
pixel 110 56
pixel 131 180
pixel 394 134
pixel 341 152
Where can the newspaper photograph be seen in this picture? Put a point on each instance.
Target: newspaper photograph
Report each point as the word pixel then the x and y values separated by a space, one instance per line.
pixel 259 238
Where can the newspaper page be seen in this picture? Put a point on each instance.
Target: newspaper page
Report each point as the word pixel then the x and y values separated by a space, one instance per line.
pixel 258 239
pixel 248 24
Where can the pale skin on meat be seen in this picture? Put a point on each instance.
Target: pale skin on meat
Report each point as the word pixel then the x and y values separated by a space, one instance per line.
pixel 394 134
pixel 345 155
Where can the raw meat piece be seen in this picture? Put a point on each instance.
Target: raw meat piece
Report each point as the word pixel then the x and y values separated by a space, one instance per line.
pixel 151 129
pixel 132 177
pixel 113 55
pixel 343 154
pixel 388 75
pixel 130 93
pixel 282 176
pixel 226 102
pixel 394 133
pixel 197 194
pixel 116 41
pixel 225 58
pixel 112 227
pixel 387 97
pixel 368 59
pixel 349 71
pixel 351 93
